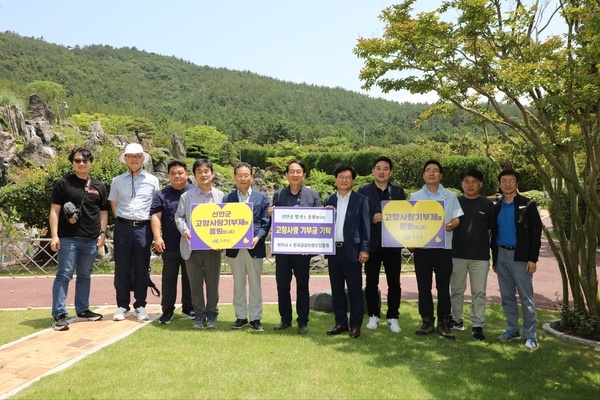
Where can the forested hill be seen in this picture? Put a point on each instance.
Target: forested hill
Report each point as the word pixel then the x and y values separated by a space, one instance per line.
pixel 243 105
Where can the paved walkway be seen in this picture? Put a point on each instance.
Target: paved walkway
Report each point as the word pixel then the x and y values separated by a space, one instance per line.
pixel 27 360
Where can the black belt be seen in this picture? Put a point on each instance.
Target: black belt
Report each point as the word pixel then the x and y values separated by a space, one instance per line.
pixel 133 222
pixel 339 244
pixel 509 247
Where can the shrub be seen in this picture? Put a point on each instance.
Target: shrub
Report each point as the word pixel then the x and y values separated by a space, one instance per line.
pixel 455 165
pixel 577 322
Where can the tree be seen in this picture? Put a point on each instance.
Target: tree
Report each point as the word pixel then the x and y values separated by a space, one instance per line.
pixel 203 141
pixel 50 93
pixel 496 57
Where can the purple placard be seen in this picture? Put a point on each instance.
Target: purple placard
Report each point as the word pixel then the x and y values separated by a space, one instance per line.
pixel 303 230
pixel 221 226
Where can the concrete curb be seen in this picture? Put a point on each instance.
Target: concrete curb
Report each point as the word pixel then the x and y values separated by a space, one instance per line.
pixel 546 326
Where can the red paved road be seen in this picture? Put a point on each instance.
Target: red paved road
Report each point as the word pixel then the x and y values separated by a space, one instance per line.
pixel 35 292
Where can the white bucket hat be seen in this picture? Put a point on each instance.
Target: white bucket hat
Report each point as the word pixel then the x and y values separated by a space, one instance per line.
pixel 134 148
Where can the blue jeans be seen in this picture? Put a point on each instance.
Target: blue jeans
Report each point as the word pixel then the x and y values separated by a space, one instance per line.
pixel 75 255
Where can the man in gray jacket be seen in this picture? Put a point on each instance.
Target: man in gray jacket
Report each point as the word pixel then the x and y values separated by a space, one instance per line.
pixel 203 266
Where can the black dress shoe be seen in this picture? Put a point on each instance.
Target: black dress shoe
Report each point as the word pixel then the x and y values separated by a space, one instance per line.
pixel 336 330
pixel 354 332
pixel 302 329
pixel 239 323
pixel 282 325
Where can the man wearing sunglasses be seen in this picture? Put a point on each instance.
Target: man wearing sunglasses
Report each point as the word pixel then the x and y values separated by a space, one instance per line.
pixel 78 220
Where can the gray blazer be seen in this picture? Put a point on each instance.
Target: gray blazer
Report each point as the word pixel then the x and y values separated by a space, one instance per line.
pixel 182 216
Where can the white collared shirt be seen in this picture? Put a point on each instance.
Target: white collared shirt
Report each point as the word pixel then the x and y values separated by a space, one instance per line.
pixel 133 195
pixel 242 198
pixel 340 215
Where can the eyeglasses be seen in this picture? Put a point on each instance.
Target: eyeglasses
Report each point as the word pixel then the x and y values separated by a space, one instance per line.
pixel 344 177
pixel 136 156
pixel 295 172
pixel 508 181
pixel 432 171
pixel 80 161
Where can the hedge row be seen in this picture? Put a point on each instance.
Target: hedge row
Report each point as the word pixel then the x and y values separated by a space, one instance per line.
pixel 408 165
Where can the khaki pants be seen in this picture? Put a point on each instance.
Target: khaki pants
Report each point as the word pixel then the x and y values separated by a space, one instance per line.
pixel 478 273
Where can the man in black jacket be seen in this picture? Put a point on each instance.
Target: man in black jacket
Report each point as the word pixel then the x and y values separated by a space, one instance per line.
pixel 516 242
pixel 377 191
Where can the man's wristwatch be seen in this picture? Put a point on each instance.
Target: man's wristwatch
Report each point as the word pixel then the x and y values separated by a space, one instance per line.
pixel 105 232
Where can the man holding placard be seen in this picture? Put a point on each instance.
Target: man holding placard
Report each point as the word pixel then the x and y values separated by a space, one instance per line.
pixel 377 191
pixel 298 265
pixel 436 260
pixel 203 266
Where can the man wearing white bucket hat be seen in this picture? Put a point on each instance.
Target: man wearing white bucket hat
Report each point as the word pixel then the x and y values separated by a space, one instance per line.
pixel 130 198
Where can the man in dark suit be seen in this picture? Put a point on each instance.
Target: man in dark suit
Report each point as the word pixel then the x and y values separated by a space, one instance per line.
pixel 352 237
pixel 248 263
pixel 377 191
pixel 295 195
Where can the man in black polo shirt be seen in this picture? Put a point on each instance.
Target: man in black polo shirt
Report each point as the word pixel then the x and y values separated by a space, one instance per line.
pixel 166 242
pixel 471 253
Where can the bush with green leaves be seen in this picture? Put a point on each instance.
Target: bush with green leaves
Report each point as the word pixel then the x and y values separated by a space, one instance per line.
pixel 455 165
pixel 578 322
pixel 29 195
pixel 321 182
pixel 540 198
pixel 256 156
pixel 202 141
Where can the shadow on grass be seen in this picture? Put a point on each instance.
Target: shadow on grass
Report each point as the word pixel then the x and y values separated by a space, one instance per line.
pixel 227 363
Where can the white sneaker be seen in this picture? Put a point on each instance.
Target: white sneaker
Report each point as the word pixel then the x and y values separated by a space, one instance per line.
pixel 373 322
pixel 393 324
pixel 120 314
pixel 141 314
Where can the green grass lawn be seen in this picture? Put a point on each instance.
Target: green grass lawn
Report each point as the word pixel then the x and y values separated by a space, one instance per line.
pixel 176 362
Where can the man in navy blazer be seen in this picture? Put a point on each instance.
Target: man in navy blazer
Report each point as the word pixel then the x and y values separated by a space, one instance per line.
pixel 295 195
pixel 377 191
pixel 248 263
pixel 352 239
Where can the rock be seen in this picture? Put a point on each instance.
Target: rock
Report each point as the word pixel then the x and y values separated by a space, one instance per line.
pixel 3 172
pixel 178 147
pixel 321 301
pixel 318 263
pixel 7 144
pixel 38 110
pixel 13 118
pixel 36 152
pixel 96 131
pixel 43 130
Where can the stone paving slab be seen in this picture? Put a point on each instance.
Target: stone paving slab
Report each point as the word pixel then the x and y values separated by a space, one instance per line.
pixel 28 359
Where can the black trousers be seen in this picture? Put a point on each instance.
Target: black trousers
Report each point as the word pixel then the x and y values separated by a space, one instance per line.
pixel 392 265
pixel 299 266
pixel 172 263
pixel 349 273
pixel 428 262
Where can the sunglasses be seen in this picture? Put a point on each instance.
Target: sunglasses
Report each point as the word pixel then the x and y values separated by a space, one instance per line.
pixel 80 161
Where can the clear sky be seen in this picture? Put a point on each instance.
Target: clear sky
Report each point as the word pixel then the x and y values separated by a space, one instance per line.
pixel 307 41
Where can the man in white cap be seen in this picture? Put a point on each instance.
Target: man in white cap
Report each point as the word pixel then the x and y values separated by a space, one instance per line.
pixel 130 198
